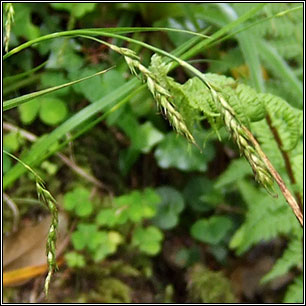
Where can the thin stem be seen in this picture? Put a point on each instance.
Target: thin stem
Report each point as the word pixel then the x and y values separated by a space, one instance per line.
pixel 285 191
pixel 109 32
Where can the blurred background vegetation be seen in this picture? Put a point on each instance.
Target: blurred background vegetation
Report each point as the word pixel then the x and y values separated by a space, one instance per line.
pixel 146 217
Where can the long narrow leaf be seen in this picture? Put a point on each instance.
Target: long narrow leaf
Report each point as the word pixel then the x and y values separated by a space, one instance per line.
pixel 248 47
pixel 41 147
pixel 281 69
pixel 96 32
pixel 92 109
pixel 9 104
pixel 22 75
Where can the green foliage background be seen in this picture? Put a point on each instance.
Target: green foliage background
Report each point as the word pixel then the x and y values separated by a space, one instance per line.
pixel 159 215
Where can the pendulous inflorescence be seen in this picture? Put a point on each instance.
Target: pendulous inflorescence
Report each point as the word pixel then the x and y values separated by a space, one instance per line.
pixel 50 203
pixel 160 94
pixel 236 129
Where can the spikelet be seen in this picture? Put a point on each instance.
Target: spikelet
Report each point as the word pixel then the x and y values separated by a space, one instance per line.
pixel 160 94
pixel 9 11
pixel 236 129
pixel 50 203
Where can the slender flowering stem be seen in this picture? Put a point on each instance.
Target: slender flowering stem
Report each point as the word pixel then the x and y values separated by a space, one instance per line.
pixel 50 203
pixel 236 129
pixel 9 11
pixel 242 139
pixel 160 94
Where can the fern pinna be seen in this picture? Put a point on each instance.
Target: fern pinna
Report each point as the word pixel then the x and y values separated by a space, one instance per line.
pixel 279 128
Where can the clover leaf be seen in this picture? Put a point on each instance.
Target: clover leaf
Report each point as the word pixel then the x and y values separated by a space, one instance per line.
pixel 75 260
pixel 173 152
pixel 78 201
pixel 81 237
pixel 169 208
pixel 133 206
pixel 52 110
pixel 212 230
pixel 77 10
pixel 148 240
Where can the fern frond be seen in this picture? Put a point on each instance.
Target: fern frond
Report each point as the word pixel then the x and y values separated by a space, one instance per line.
pixel 237 170
pixel 286 119
pixel 266 219
pixel 292 257
pixel 295 292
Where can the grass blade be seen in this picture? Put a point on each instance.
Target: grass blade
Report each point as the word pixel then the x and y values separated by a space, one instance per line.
pixel 281 69
pixel 41 148
pixel 96 32
pixel 22 75
pixel 9 104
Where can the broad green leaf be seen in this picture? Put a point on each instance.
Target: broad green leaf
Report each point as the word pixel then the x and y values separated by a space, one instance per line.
pixel 107 217
pixel 143 137
pixel 103 243
pixel 133 206
pixel 211 230
pixel 201 195
pixel 50 168
pixel 97 238
pixel 150 199
pixel 78 10
pixel 52 110
pixel 112 80
pixel 79 202
pixel 135 211
pixel 12 141
pixel 169 208
pixel 115 237
pixel 146 137
pixel 29 111
pixel 175 152
pixel 81 237
pixel 91 89
pixel 23 26
pixel 55 78
pixel 70 60
pixel 75 260
pixel 237 170
pixel 138 205
pixel 148 239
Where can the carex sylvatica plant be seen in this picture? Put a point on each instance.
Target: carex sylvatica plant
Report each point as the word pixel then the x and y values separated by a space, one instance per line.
pixel 265 128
